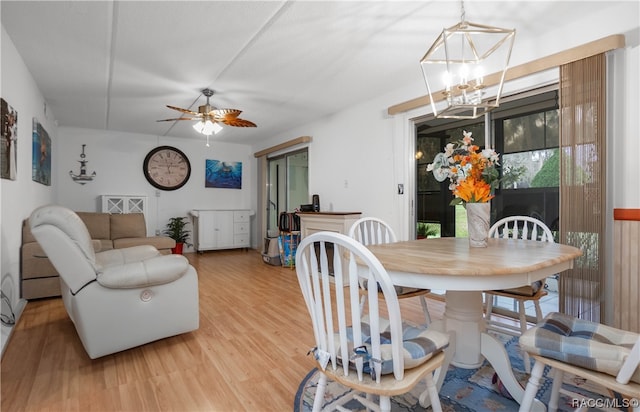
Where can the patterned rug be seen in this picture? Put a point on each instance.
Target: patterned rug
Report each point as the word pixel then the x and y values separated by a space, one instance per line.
pixel 463 390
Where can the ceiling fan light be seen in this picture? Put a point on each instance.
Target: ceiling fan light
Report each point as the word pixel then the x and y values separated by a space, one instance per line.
pixel 207 127
pixel 216 127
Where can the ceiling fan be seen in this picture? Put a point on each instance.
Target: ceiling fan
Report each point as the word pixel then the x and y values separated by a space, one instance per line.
pixel 209 118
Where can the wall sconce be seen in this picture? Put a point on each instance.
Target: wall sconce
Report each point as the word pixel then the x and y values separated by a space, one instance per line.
pixel 82 177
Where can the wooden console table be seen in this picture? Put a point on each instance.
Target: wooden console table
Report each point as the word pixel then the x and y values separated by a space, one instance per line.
pixel 311 222
pixel 340 222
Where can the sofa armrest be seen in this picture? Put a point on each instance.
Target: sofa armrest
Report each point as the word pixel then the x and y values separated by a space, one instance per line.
pixel 97 245
pixel 154 271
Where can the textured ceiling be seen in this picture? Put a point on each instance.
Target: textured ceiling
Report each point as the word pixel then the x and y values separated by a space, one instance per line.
pixel 115 65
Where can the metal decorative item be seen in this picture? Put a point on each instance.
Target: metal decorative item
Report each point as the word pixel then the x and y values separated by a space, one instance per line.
pixel 82 178
pixel 456 68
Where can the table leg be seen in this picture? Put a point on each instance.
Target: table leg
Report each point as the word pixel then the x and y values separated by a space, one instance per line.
pixel 496 354
pixel 463 315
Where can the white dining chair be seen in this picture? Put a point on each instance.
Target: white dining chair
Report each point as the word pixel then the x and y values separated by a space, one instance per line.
pixel 517 227
pixel 374 231
pixel 370 354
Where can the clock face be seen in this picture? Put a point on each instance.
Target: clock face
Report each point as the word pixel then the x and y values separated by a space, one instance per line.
pixel 166 168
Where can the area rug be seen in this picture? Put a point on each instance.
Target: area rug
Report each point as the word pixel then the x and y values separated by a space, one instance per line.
pixel 475 390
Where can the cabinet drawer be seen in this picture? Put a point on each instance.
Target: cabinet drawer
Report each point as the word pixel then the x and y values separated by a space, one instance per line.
pixel 241 216
pixel 241 240
pixel 240 228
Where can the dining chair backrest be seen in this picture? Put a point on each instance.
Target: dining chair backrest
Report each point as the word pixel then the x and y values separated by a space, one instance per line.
pixel 372 231
pixel 521 227
pixel 332 300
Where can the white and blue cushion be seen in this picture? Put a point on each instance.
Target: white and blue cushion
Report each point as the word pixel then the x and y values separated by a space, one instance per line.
pixel 579 342
pixel 420 344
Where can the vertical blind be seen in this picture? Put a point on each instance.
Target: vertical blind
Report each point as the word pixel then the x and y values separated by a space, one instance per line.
pixel 582 180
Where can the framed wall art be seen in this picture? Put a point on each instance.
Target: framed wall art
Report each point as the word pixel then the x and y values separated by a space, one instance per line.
pixel 225 175
pixel 9 146
pixel 41 155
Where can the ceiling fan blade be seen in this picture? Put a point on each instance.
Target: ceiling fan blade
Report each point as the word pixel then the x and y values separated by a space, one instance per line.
pixel 224 113
pixel 184 110
pixel 178 118
pixel 237 122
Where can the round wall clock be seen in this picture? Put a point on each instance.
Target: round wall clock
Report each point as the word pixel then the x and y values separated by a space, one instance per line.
pixel 166 168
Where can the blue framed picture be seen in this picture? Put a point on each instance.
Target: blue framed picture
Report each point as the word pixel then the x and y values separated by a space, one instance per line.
pixel 224 175
pixel 41 158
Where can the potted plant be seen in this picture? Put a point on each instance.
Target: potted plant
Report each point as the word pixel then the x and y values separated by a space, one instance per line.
pixel 176 230
pixel 424 230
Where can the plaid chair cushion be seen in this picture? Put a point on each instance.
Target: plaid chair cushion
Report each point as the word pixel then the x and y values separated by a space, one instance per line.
pixel 420 344
pixel 579 342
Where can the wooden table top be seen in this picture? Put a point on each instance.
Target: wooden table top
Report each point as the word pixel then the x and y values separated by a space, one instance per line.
pixel 452 257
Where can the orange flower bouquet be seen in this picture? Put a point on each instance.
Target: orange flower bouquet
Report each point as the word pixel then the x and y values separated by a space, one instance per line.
pixel 473 174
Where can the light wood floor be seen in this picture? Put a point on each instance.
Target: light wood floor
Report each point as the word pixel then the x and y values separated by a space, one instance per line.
pixel 249 354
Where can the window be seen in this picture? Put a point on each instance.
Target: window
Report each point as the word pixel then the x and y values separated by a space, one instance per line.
pixel 527 136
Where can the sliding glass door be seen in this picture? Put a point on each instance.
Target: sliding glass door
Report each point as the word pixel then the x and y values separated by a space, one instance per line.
pixel 524 130
pixel 288 187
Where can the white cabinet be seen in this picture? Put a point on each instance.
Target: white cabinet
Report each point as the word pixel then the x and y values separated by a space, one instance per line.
pixel 221 229
pixel 124 204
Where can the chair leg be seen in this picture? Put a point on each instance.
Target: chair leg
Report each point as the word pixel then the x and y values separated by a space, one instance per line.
pixel 536 303
pixel 532 387
pixel 425 309
pixel 489 302
pixel 319 398
pixel 433 394
pixel 523 328
pixel 523 316
pixel 555 390
pixel 385 403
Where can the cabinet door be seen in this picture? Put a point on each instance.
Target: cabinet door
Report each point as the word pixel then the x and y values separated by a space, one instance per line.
pixel 206 230
pixel 223 228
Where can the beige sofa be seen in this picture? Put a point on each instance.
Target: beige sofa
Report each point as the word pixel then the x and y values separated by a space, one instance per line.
pixel 39 279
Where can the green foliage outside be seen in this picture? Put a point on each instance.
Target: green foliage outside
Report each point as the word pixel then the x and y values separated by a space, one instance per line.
pixel 428 229
pixel 549 173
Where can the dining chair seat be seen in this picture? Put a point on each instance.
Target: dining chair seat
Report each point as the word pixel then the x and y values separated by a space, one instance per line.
pixel 419 343
pixel 599 353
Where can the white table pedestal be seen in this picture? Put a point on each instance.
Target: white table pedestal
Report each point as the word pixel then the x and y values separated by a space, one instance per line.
pixel 463 314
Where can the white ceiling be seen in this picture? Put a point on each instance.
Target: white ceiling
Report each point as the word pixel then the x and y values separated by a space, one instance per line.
pixel 115 65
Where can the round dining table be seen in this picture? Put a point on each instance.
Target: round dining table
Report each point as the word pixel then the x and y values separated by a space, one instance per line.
pixel 450 264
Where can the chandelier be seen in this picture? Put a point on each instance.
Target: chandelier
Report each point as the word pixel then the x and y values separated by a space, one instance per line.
pixel 456 68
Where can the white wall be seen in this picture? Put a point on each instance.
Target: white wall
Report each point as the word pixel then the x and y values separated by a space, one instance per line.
pixel 117 159
pixel 372 151
pixel 362 146
pixel 19 197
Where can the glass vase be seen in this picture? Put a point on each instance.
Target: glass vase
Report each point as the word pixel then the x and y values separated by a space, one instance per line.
pixel 478 215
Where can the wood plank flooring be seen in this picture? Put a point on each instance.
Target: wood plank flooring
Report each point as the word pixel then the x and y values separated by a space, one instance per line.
pixel 249 354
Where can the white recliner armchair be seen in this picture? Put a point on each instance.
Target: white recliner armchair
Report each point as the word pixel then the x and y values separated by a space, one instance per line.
pixel 120 298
